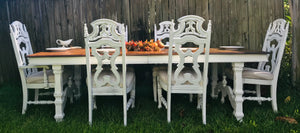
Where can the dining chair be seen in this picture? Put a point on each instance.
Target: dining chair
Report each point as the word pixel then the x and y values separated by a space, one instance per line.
pixel 185 75
pixel 108 78
pixel 267 73
pixel 32 77
pixel 162 34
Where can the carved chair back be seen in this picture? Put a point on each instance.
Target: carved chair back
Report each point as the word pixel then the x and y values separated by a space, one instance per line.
pixel 21 44
pixel 190 30
pixel 275 44
pixel 163 32
pixel 110 33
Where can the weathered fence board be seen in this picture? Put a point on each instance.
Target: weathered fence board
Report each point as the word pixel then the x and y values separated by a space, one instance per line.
pixel 295 12
pixel 235 22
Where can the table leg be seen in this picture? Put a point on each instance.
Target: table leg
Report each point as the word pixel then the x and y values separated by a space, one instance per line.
pixel 58 93
pixel 238 90
pixel 77 79
pixel 214 89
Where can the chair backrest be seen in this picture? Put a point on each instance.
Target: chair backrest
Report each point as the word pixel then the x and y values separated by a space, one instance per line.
pixel 110 33
pixel 190 30
pixel 274 43
pixel 163 32
pixel 21 44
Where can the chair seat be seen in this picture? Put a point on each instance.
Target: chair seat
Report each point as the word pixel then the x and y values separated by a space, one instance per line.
pixel 163 75
pixel 129 77
pixel 38 77
pixel 256 74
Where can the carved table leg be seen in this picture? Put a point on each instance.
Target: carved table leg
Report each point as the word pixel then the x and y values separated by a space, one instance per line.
pixel 214 89
pixel 77 79
pixel 58 93
pixel 238 90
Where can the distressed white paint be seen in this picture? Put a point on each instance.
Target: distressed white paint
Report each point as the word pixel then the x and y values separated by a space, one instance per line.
pixel 160 34
pixel 277 32
pixel 110 33
pixel 22 48
pixel 187 80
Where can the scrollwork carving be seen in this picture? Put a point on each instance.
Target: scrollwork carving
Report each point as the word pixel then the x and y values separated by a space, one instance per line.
pixel 110 33
pixel 190 31
pixel 274 44
pixel 22 45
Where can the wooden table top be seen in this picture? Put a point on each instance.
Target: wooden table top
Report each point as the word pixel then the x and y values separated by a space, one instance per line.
pixel 81 52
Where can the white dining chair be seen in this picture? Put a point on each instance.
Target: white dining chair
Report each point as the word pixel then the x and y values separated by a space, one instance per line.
pixel 108 78
pixel 31 77
pixel 185 76
pixel 162 34
pixel 267 73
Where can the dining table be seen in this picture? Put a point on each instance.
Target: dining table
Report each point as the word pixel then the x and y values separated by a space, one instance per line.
pixel 237 58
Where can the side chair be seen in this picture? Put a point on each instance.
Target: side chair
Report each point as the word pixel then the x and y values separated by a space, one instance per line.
pixel 185 75
pixel 108 78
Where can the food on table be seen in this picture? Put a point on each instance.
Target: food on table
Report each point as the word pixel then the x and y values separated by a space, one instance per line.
pixel 144 46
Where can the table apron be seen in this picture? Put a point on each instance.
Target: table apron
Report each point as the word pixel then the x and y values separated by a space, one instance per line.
pixel 153 59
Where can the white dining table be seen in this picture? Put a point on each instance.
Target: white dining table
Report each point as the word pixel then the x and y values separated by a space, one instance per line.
pixel 77 57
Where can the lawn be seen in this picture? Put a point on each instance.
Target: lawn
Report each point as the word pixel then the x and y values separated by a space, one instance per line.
pixel 145 117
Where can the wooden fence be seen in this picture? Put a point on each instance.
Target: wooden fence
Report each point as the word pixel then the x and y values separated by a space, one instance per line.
pixel 234 22
pixel 295 12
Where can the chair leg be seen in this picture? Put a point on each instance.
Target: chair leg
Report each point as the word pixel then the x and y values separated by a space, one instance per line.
pixel 200 100
pixel 94 102
pixel 70 90
pixel 169 105
pixel 204 108
pixel 258 94
pixel 274 97
pixel 36 94
pixel 154 85
pixel 77 81
pixel 90 108
pixel 191 97
pixel 223 89
pixel 25 99
pixel 132 96
pixel 125 108
pixel 159 93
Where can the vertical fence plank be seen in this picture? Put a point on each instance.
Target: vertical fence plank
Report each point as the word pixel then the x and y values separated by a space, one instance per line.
pixel 51 23
pixel 172 5
pixel 126 15
pixel 151 20
pixel 69 21
pixel 252 24
pixel 44 23
pixel 158 10
pixel 295 13
pixel 225 22
pixel 242 8
pixel 179 9
pixel 258 34
pixel 192 7
pixel 165 8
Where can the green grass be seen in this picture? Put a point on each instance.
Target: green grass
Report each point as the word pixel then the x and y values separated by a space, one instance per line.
pixel 145 117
